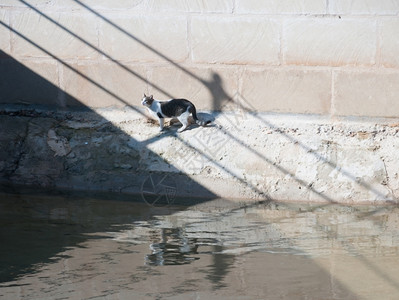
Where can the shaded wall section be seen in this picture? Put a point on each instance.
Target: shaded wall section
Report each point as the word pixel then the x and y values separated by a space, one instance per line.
pixel 21 85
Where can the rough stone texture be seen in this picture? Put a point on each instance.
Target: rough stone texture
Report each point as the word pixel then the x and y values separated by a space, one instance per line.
pixel 364 7
pixel 282 7
pixel 286 158
pixel 390 43
pixel 144 38
pixel 48 34
pixel 37 163
pixel 329 42
pixel 288 90
pixel 258 41
pixel 12 141
pixel 366 94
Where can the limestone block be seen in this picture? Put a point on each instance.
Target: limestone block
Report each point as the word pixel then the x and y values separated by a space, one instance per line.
pixel 109 5
pixel 329 41
pixel 4 33
pixel 149 6
pixel 281 7
pixel 46 69
pixel 111 85
pixel 390 43
pixel 208 88
pixel 58 5
pixel 17 3
pixel 364 7
pixel 52 37
pixel 203 6
pixel 235 40
pixel 373 94
pixel 146 39
pixel 288 90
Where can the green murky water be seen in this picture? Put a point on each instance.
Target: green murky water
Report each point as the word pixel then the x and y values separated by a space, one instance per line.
pixel 57 247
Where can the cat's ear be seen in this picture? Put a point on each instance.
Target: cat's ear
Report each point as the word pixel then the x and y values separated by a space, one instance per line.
pixel 145 95
pixel 151 97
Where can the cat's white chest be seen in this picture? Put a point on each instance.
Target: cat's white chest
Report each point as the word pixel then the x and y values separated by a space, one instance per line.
pixel 154 110
pixel 152 113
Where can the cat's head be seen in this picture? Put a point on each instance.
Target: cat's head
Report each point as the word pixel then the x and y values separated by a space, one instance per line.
pixel 147 100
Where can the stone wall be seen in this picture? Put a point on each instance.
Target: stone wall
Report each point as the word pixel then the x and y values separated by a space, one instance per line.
pixel 304 96
pixel 328 57
pixel 247 157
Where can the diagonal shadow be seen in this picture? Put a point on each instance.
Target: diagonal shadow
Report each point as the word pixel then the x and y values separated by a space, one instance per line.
pixel 77 72
pixel 308 149
pixel 76 36
pixel 260 193
pixel 216 80
pixel 20 152
pixel 230 135
pixel 215 87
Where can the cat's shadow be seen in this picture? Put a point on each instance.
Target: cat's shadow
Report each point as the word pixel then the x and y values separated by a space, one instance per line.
pixel 204 116
pixel 175 124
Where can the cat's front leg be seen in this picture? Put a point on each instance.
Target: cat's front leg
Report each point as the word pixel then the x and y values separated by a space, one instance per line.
pixel 161 123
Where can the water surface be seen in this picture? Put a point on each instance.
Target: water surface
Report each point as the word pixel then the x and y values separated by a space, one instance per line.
pixel 58 247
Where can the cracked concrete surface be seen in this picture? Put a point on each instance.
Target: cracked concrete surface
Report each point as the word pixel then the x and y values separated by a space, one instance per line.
pixel 242 156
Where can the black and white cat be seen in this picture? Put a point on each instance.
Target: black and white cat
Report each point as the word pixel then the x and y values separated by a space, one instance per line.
pixel 179 109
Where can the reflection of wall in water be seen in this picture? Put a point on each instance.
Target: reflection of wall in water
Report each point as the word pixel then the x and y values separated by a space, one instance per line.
pixel 282 228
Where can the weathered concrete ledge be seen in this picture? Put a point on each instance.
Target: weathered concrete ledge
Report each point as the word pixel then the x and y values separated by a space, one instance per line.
pixel 246 156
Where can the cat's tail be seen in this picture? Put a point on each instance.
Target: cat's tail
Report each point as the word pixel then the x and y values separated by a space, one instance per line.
pixel 199 122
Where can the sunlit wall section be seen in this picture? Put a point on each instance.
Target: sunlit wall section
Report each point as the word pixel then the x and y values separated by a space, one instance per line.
pixel 332 58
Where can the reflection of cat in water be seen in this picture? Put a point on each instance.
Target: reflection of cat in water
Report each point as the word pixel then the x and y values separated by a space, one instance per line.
pixel 179 109
pixel 173 248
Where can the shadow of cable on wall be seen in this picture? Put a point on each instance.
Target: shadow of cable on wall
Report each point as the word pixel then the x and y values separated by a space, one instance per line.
pixel 222 99
pixel 215 85
pixel 92 154
pixel 219 96
pixel 23 86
